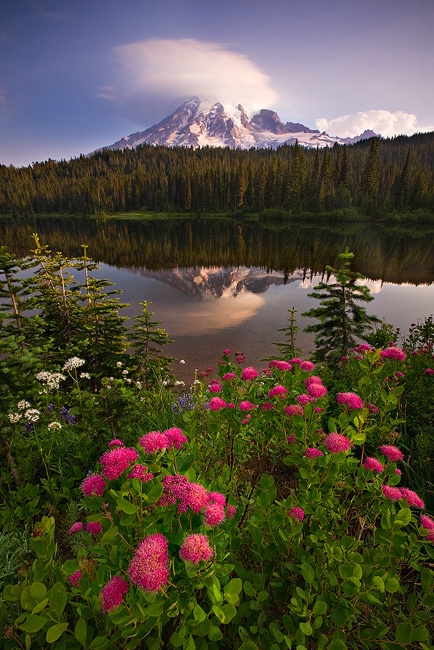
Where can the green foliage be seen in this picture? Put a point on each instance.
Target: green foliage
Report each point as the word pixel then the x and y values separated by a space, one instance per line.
pixel 342 320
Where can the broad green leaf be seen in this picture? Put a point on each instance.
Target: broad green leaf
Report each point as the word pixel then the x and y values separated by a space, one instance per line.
pixel 55 632
pixel 199 614
pixel 33 624
pixel 58 597
pixel 80 631
pixel 404 632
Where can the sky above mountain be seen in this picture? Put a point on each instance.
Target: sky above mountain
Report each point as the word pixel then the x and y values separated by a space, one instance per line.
pixel 76 75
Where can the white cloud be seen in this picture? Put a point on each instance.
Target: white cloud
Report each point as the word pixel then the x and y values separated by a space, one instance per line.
pixel 159 70
pixel 385 123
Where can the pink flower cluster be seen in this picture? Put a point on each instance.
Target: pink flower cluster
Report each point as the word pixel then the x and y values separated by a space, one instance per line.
pixel 391 452
pixel 75 578
pixel 280 365
pixel 277 391
pixel 75 528
pixel 217 403
pixel 296 513
pixel 393 353
pixel 94 527
pixel 373 465
pixel 428 523
pixel 336 442
pixel 93 485
pixel 141 473
pixel 113 592
pixel 193 496
pixel 117 460
pixel 312 452
pixel 149 568
pixel 249 373
pixel 157 441
pixel 195 549
pixel 395 494
pixel 350 400
pixel 293 409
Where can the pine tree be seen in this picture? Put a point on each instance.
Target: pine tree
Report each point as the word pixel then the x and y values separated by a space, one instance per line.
pixel 342 320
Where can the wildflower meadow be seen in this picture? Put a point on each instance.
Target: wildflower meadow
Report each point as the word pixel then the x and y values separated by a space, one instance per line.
pixel 257 508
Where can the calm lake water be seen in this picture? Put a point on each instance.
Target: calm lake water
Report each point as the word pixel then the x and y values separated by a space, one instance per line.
pixel 229 284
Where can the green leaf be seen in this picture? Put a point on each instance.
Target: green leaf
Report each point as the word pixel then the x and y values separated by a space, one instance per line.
pixel 40 606
pixel 215 634
pixel 234 586
pixel 403 517
pixel 337 645
pixel 379 583
pixel 80 631
pixel 248 588
pixel 33 624
pixel 58 597
pixel 38 591
pixel 199 614
pixel 229 612
pixel 55 632
pixel 126 506
pixel 307 572
pixel 306 628
pixel 155 493
pixel 391 585
pixel 420 634
pixel 404 632
pixel 319 608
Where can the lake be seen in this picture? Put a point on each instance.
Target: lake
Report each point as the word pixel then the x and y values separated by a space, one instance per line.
pixel 229 284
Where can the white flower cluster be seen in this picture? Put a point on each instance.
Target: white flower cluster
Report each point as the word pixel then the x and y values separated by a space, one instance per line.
pixel 84 375
pixel 54 426
pixel 50 379
pixel 23 405
pixel 32 415
pixel 73 363
pixel 14 417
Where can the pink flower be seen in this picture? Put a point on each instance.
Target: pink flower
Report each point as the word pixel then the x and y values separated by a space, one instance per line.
pixel 249 373
pixel 113 592
pixel 350 400
pixel 303 399
pixel 226 352
pixel 93 485
pixel 312 452
pixel 391 452
pixel 246 405
pixel 141 473
pixel 175 437
pixel 229 376
pixel 336 442
pixel 373 464
pixel 313 379
pixel 291 439
pixel 412 498
pixel 116 443
pixel 277 391
pixel 195 549
pixel 373 408
pixel 392 493
pixel 429 371
pixel 214 514
pixel 154 441
pixel 214 387
pixel 296 513
pixel 217 497
pixel 116 461
pixel 267 406
pixel 216 403
pixel 393 353
pixel 280 365
pixel 176 489
pixel 231 511
pixel 94 527
pixel 307 366
pixel 398 471
pixel 197 497
pixel 75 578
pixel 296 360
pixel 363 347
pixel 317 390
pixel 426 522
pixel 430 536
pixel 293 409
pixel 149 568
pixel 75 528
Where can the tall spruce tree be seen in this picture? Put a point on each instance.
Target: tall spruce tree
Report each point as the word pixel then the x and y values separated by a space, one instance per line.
pixel 341 320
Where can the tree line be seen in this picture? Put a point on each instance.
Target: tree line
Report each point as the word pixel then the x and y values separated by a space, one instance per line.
pixel 372 177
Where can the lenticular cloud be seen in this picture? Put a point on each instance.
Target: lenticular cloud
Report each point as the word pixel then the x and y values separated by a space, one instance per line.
pixel 187 67
pixel 385 123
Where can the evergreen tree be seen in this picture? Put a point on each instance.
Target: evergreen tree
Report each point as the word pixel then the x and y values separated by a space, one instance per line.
pixel 342 320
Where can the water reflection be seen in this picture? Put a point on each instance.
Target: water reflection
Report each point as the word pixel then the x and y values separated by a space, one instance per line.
pixel 229 284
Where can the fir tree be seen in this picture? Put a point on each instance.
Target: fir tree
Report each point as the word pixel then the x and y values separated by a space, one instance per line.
pixel 342 320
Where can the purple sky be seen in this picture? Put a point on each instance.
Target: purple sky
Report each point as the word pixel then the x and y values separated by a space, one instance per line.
pixel 76 75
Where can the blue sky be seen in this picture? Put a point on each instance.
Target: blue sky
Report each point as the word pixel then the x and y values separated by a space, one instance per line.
pixel 76 75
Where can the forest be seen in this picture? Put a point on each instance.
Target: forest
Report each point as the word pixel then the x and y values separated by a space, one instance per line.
pixel 372 178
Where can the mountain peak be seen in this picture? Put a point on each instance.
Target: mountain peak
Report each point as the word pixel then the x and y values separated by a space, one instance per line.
pixel 201 122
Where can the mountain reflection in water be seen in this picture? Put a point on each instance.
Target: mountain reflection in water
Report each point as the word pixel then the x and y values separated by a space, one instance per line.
pixel 229 284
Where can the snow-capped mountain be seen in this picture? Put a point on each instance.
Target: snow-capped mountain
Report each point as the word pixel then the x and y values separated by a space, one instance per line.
pixel 201 123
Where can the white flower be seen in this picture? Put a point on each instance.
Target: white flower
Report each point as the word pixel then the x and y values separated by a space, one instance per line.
pixel 54 426
pixel 14 417
pixel 139 385
pixel 32 415
pixel 179 383
pixel 125 372
pixel 72 363
pixel 165 383
pixel 23 405
pixel 128 380
pixel 119 364
pixel 84 375
pixel 196 382
pixel 50 379
pixel 182 361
